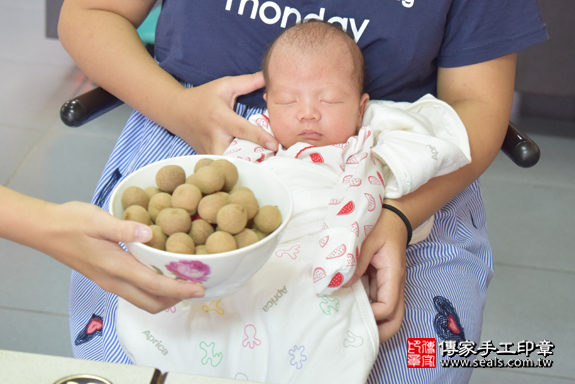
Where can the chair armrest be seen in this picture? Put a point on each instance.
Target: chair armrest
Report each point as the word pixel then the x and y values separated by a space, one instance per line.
pixel 520 148
pixel 86 107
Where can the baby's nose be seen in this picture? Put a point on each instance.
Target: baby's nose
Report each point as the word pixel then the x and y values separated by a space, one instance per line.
pixel 309 111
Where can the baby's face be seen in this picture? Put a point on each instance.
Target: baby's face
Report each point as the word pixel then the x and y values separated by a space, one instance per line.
pixel 313 98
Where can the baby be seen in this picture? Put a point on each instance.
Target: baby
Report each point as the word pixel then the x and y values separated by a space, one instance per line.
pixel 314 75
pixel 340 155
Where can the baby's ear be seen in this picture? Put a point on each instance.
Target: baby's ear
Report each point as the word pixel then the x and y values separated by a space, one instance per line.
pixel 362 103
pixel 266 97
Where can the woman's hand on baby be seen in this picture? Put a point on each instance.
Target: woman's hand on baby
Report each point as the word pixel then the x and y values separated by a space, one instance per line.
pixel 214 124
pixel 382 257
pixel 85 238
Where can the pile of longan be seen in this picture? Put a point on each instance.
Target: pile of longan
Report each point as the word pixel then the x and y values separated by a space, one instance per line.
pixel 204 213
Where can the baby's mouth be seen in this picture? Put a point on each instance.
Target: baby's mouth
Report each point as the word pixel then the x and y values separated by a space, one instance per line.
pixel 310 134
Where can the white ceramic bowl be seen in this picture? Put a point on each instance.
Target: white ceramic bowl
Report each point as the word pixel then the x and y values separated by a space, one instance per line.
pixel 224 273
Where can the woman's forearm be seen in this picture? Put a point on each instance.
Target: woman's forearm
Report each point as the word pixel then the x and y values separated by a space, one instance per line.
pixel 101 37
pixel 23 219
pixel 482 95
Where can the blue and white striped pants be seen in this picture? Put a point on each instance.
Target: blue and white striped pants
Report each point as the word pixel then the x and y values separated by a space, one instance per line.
pixel 454 263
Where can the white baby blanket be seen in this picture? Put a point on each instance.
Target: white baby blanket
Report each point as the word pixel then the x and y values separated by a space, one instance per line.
pixel 276 329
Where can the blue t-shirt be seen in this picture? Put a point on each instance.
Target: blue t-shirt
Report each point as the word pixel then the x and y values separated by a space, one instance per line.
pixel 403 41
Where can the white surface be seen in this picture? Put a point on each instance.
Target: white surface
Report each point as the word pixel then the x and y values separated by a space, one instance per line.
pixel 27 368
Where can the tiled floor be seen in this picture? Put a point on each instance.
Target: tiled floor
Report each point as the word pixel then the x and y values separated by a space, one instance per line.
pixel 530 211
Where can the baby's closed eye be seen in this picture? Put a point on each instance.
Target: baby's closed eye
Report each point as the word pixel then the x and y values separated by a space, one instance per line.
pixel 331 101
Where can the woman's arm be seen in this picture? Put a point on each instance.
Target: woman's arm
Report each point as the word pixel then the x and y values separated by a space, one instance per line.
pixel 482 95
pixel 85 238
pixel 101 37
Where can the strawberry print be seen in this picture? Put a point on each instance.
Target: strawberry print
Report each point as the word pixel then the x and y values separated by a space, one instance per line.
pixel 350 260
pixel 318 274
pixel 263 122
pixel 260 149
pixel 342 166
pixel 338 252
pixel 323 241
pixel 336 281
pixel 316 158
pixel 245 158
pixel 373 180
pixel 347 209
pixel 370 201
pixel 232 150
pixel 346 179
pixel 363 156
pixel 352 160
pixel 355 182
pixel 262 158
pixel 355 228
pixel 341 146
pixel 367 229
pixel 380 178
pixel 335 201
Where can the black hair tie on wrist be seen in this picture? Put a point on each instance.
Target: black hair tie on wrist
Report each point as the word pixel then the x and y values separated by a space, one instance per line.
pixel 402 217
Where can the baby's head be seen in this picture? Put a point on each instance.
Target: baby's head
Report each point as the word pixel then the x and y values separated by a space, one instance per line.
pixel 314 75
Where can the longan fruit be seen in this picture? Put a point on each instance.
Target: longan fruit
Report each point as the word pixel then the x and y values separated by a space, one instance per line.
pixel 232 218
pixel 182 243
pixel 219 242
pixel 151 191
pixel 169 177
pixel 230 173
pixel 134 196
pixel 187 196
pixel 137 213
pixel 201 250
pixel 246 237
pixel 202 163
pixel 208 179
pixel 259 233
pixel 173 220
pixel 159 202
pixel 158 239
pixel 268 219
pixel 238 188
pixel 225 195
pixel 200 231
pixel 209 207
pixel 247 200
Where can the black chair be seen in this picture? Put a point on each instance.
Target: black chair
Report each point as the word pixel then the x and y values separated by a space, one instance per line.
pixel 519 147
